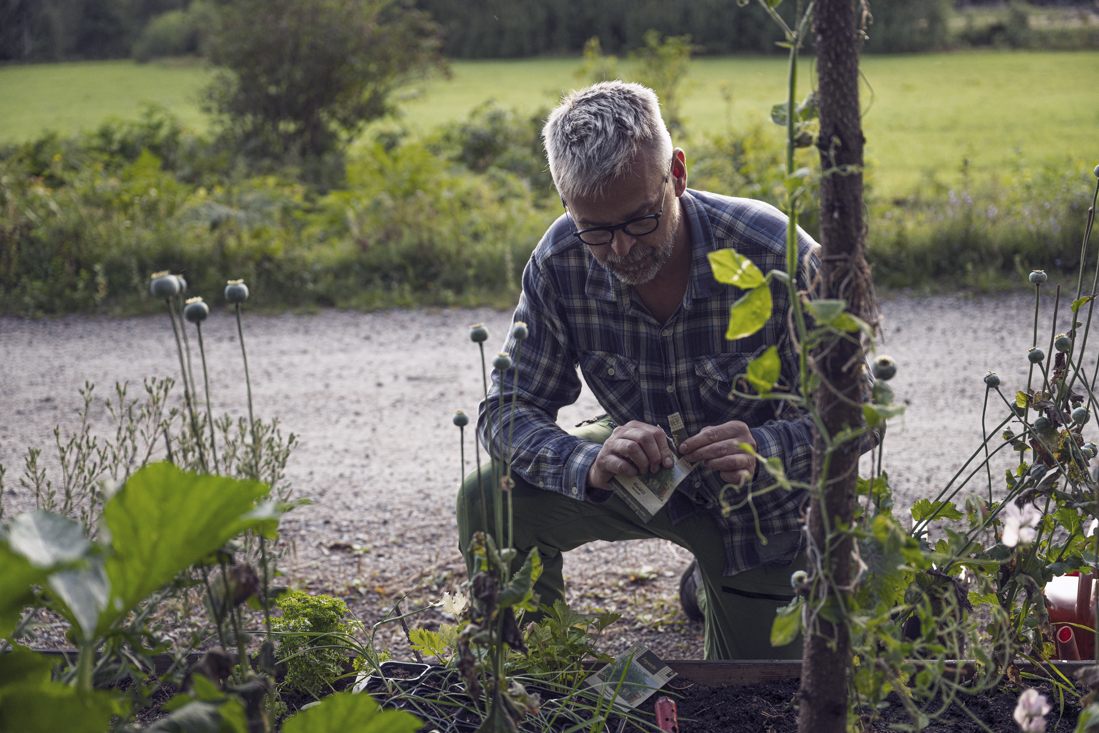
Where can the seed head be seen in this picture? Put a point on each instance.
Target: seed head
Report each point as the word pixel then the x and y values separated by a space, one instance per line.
pixel 1090 450
pixel 163 285
pixel 1038 277
pixel 182 283
pixel 461 419
pixel 519 331
pixel 478 334
pixel 799 579
pixel 992 380
pixel 884 368
pixel 1080 415
pixel 236 291
pixel 196 311
pixel 1062 342
pixel 1036 356
pixel 1096 171
pixel 1041 425
pixel 502 362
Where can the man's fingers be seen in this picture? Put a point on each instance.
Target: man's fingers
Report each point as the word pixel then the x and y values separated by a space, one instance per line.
pixel 739 462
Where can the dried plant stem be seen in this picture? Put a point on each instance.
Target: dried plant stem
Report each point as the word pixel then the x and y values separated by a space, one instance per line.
pixel 188 396
pixel 206 390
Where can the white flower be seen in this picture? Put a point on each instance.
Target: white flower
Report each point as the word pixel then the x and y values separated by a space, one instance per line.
pixel 1019 523
pixel 453 604
pixel 1031 711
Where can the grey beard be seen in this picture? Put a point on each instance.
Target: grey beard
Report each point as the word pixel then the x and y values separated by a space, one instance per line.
pixel 653 258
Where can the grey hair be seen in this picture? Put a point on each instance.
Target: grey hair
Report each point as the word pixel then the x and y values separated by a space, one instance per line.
pixel 593 136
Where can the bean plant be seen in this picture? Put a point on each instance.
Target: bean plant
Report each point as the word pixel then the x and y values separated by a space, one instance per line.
pixel 909 605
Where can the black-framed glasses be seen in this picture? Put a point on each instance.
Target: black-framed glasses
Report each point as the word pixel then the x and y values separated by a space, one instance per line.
pixel 639 227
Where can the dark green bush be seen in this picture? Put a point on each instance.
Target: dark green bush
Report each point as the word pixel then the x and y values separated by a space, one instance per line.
pixel 175 33
pixel 908 26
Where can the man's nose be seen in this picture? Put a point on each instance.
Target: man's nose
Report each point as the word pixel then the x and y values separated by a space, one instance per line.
pixel 622 243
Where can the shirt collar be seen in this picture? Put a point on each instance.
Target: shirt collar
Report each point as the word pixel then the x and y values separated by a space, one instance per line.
pixel 601 285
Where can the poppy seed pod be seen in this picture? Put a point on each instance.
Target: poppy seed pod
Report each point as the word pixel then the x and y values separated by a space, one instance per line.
pixel 502 362
pixel 461 419
pixel 1038 277
pixel 163 285
pixel 992 380
pixel 1080 415
pixel 236 291
pixel 1036 356
pixel 1090 450
pixel 1062 343
pixel 196 311
pixel 182 283
pixel 1042 425
pixel 1096 171
pixel 884 368
pixel 478 334
pixel 519 331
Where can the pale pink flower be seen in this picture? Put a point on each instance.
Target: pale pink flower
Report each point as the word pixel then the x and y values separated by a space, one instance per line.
pixel 1019 523
pixel 1031 711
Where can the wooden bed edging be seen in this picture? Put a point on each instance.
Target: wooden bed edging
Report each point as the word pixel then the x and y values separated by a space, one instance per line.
pixel 705 672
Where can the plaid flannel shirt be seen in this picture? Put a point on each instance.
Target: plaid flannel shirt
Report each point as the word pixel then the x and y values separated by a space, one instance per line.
pixel 578 314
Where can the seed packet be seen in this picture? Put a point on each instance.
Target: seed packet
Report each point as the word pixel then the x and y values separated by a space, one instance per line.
pixel 647 493
pixel 634 676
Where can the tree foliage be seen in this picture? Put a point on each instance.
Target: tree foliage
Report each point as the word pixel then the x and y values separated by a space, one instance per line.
pixel 297 78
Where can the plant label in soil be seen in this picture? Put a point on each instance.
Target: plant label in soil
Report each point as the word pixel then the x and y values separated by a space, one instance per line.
pixel 632 678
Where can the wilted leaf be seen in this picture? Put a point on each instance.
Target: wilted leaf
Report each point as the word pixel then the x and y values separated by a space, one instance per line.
pixel 732 268
pixel 750 313
pixel 764 370
pixel 162 521
pixel 345 712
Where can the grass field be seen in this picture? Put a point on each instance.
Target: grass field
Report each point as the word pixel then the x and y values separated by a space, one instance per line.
pixel 924 113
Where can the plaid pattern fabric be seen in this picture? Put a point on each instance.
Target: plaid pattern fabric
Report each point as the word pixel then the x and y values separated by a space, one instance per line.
pixel 579 315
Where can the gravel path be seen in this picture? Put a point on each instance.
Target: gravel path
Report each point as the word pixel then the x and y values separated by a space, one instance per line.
pixel 370 397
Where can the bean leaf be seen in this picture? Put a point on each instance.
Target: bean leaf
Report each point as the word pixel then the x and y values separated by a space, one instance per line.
pixel 749 314
pixel 926 509
pixel 787 623
pixel 764 370
pixel 1080 302
pixel 732 268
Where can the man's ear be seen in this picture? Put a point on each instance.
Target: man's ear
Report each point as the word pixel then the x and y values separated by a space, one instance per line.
pixel 679 171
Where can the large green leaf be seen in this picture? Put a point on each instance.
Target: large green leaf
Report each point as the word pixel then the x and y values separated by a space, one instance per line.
pixel 732 268
pixel 164 520
pixel 345 712
pixel 749 313
pixel 763 371
pixel 85 592
pixel 16 578
pixel 47 539
pixel 925 508
pixel 202 716
pixel 31 703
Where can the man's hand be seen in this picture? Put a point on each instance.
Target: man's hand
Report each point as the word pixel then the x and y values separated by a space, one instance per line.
pixel 633 448
pixel 719 447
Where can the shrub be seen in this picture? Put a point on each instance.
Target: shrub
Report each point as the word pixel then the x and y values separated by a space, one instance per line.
pixel 170 34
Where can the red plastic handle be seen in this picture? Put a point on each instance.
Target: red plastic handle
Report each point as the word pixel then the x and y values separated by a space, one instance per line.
pixel 666 716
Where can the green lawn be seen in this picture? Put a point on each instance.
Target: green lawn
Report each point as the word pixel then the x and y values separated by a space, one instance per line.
pixel 926 113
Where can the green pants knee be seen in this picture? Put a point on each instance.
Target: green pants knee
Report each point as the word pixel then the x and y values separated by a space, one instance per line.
pixel 739 610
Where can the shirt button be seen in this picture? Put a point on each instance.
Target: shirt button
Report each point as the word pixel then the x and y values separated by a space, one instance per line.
pixel 697 483
pixel 671 388
pixel 611 372
pixel 666 332
pixel 574 490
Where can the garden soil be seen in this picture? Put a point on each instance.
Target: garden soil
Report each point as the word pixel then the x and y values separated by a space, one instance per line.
pixel 370 398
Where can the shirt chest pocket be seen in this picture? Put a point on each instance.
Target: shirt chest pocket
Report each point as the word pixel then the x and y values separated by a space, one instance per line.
pixel 614 380
pixel 716 377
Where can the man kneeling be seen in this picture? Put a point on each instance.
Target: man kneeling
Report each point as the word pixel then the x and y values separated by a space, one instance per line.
pixel 621 287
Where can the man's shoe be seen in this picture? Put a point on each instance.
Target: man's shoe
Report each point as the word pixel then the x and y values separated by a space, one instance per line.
pixel 688 591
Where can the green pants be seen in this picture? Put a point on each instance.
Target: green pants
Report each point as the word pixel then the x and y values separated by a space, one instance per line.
pixel 738 610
